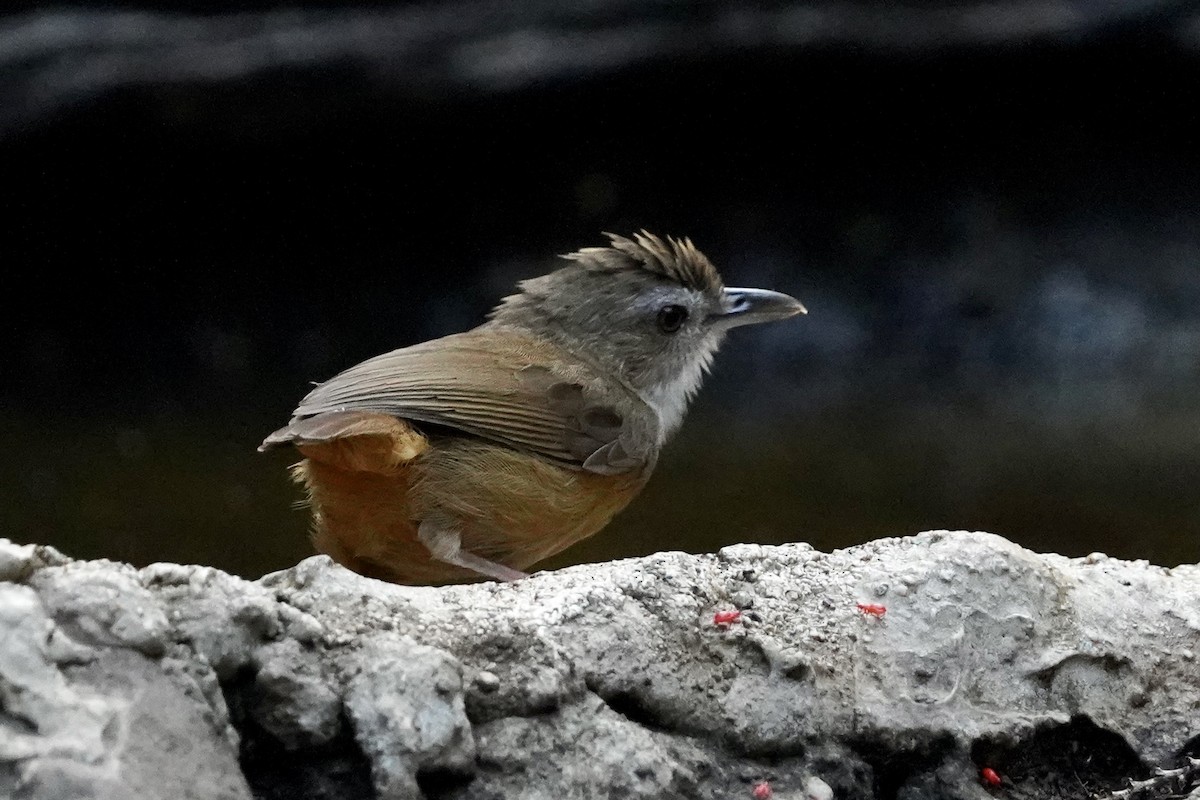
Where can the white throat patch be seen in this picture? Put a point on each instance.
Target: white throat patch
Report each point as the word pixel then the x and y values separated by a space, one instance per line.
pixel 670 399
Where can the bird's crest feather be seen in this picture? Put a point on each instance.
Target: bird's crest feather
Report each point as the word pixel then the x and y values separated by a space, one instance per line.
pixel 674 259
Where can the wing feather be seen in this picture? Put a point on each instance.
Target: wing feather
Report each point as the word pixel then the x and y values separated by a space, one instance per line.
pixel 500 387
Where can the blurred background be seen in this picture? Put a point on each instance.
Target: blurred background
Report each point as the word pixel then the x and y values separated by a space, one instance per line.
pixel 992 212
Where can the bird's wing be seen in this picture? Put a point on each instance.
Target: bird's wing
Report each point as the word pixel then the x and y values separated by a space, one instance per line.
pixel 503 385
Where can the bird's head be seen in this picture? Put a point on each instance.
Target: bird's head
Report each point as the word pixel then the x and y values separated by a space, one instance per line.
pixel 647 310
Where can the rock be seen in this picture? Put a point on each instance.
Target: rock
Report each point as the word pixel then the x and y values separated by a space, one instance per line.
pixel 587 744
pixel 405 702
pixel 101 603
pixel 109 722
pixel 295 700
pixel 897 668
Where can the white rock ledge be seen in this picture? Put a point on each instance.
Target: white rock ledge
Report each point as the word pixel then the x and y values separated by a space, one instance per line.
pixel 607 680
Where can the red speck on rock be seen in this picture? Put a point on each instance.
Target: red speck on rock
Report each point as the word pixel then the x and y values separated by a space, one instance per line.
pixel 726 617
pixel 873 609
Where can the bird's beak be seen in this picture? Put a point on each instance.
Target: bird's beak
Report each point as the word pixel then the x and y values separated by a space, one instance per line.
pixel 752 306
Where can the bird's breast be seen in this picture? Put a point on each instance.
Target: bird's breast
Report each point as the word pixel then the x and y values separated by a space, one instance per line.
pixel 515 507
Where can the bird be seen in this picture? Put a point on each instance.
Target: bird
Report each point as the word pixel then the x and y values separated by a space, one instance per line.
pixel 476 455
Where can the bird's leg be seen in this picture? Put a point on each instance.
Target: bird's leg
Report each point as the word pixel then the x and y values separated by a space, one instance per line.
pixel 445 544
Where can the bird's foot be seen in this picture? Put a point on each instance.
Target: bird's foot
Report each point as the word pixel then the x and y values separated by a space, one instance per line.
pixel 445 544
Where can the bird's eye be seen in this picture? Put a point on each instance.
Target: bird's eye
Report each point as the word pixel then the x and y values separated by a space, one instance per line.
pixel 671 318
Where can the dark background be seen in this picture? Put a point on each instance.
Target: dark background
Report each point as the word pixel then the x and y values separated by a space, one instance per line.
pixel 992 214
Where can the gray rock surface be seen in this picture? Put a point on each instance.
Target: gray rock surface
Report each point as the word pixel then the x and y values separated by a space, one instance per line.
pixel 608 680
